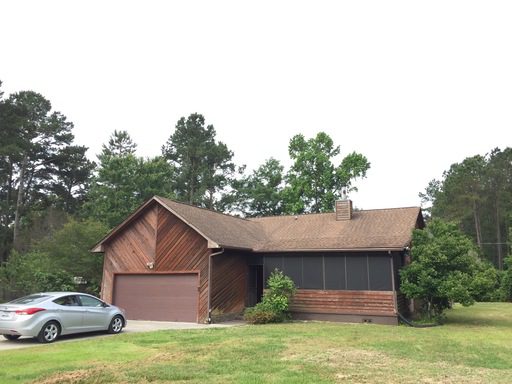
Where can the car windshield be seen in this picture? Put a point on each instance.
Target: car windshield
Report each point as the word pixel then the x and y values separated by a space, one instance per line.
pixel 31 299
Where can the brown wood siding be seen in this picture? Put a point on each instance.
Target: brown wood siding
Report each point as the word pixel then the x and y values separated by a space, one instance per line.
pixel 229 283
pixel 180 248
pixel 157 236
pixel 130 250
pixel 343 302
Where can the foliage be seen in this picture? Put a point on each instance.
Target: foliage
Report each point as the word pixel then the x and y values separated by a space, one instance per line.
pixel 55 281
pixel 120 143
pixel 313 181
pixel 487 282
pixel 18 272
pixel 39 165
pixel 203 166
pixel 53 262
pixel 444 269
pixel 274 305
pixel 506 281
pixel 124 181
pixel 260 193
pixel 477 193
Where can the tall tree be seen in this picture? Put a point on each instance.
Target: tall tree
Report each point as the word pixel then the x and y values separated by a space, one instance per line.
pixel 313 181
pixel 35 151
pixel 477 193
pixel 499 186
pixel 463 193
pixel 120 143
pixel 260 193
pixel 203 166
pixel 123 181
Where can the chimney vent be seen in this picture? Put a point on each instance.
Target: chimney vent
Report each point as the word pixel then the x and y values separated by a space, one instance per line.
pixel 343 209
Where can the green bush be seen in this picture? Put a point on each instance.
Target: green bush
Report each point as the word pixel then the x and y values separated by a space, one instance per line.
pixel 444 269
pixel 262 314
pixel 506 280
pixel 274 305
pixel 486 284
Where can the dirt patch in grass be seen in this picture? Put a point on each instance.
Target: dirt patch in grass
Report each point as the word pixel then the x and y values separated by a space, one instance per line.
pixel 351 365
pixel 67 377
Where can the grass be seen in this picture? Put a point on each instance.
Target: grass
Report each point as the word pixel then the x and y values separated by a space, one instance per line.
pixel 475 346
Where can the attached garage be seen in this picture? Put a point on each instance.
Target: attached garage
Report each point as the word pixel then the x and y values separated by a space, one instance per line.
pixel 160 297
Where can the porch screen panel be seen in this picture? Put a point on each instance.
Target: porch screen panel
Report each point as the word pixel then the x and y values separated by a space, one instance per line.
pixel 312 272
pixel 292 267
pixel 357 272
pixel 380 273
pixel 334 272
pixel 270 263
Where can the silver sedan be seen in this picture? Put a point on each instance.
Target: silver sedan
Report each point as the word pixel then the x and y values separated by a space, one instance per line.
pixel 48 315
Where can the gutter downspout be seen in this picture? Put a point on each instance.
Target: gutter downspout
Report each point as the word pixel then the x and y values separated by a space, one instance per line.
pixel 210 282
pixel 395 300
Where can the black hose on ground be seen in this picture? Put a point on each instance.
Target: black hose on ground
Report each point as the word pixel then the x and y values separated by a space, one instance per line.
pixel 411 324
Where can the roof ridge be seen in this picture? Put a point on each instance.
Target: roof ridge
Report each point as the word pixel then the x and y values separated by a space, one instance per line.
pixel 204 209
pixel 290 215
pixel 332 212
pixel 387 209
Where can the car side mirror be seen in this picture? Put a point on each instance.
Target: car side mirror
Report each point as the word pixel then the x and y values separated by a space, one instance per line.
pixel 105 305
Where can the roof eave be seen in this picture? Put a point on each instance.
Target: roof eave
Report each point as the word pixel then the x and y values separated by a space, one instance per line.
pixel 368 249
pixel 236 248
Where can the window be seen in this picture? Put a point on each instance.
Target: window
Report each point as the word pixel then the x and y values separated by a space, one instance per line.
pixel 68 301
pixel 88 301
pixel 32 299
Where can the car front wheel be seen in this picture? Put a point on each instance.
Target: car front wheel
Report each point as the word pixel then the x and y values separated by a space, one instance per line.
pixel 12 337
pixel 49 333
pixel 116 325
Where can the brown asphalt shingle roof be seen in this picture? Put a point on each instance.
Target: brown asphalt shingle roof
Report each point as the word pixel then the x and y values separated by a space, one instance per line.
pixel 225 230
pixel 370 229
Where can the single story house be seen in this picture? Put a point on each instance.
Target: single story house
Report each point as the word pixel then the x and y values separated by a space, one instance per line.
pixel 176 262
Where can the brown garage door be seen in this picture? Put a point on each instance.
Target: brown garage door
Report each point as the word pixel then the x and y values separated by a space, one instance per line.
pixel 157 297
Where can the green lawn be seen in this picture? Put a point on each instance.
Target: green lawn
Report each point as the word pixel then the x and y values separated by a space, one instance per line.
pixel 475 346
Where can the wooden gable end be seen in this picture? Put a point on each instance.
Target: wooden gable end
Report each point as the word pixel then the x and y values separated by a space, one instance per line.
pixel 179 248
pixel 131 249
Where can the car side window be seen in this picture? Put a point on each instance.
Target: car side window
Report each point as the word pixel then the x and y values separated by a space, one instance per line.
pixel 88 301
pixel 67 301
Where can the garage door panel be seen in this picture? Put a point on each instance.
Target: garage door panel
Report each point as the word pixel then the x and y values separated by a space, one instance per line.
pixel 165 297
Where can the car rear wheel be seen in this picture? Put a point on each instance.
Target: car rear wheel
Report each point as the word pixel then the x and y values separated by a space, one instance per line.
pixel 49 333
pixel 12 337
pixel 116 324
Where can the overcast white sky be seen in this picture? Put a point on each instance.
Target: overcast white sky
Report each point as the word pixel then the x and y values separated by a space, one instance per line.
pixel 414 86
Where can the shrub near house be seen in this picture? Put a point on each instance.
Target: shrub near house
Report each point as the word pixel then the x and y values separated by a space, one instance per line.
pixel 274 307
pixel 445 268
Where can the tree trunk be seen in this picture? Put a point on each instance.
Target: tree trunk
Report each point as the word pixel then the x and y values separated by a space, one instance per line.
pixel 19 203
pixel 478 230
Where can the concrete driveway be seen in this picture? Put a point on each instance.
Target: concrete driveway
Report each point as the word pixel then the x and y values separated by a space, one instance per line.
pixel 133 326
